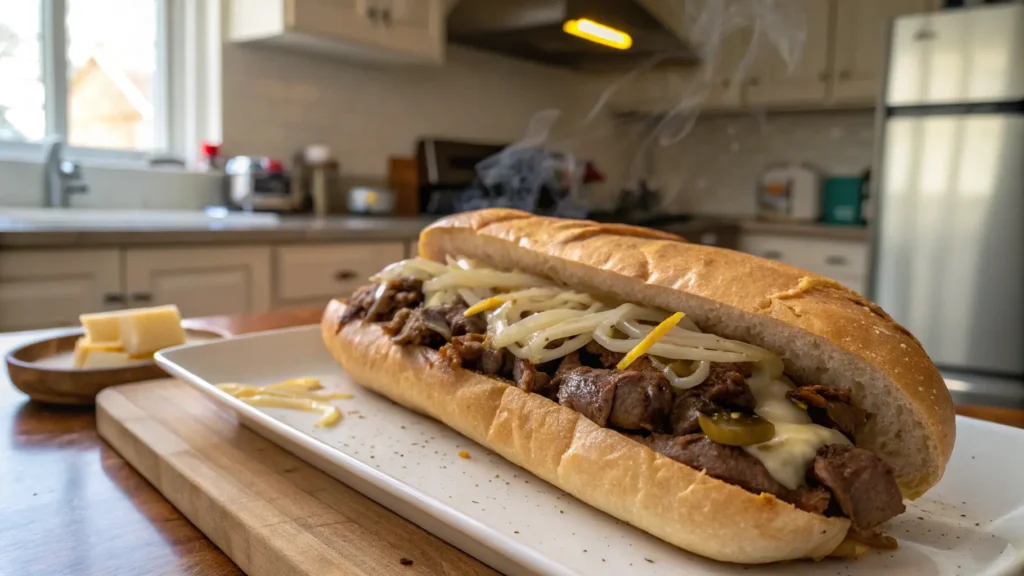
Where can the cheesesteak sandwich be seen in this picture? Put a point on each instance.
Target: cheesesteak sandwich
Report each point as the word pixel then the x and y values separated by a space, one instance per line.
pixel 735 407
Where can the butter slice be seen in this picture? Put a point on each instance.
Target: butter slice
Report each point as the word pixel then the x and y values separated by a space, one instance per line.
pixel 146 330
pixel 103 326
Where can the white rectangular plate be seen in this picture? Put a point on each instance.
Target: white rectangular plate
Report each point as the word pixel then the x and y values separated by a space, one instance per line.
pixel 972 523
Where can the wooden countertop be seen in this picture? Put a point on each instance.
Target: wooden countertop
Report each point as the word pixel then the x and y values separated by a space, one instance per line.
pixel 71 505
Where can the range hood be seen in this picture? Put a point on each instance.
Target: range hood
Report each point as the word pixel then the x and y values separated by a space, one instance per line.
pixel 533 30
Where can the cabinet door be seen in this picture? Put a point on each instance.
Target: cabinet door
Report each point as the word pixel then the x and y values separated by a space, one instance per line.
pixel 772 83
pixel 313 274
pixel 399 29
pixel 201 281
pixel 860 44
pixel 43 289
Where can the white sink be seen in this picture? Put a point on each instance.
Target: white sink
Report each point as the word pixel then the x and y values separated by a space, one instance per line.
pixel 89 218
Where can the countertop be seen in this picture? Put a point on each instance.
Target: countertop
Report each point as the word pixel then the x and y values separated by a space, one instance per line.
pixel 71 505
pixel 299 229
pixel 804 229
pixel 288 230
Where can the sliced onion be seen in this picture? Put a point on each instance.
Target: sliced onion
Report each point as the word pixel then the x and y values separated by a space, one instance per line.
pixel 419 268
pixel 439 326
pixel 672 351
pixel 522 330
pixel 546 355
pixel 684 382
pixel 482 278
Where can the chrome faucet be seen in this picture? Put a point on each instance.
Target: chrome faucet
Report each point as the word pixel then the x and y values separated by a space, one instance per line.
pixel 61 178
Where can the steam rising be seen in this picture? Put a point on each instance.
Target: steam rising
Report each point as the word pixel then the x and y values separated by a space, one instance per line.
pixel 517 176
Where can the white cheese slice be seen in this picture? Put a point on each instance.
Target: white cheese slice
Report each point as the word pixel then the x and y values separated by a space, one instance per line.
pixel 146 330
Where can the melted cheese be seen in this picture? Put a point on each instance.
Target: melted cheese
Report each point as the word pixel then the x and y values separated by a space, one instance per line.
pixel 294 394
pixel 791 451
pixel 797 439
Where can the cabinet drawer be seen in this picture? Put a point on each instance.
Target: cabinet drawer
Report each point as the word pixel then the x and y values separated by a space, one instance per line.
pixel 325 271
pixel 832 258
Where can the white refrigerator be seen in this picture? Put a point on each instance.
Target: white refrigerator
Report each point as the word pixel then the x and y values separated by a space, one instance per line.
pixel 948 255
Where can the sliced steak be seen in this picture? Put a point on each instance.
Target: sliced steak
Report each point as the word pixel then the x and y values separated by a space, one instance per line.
pixel 461 324
pixel 495 362
pixel 863 485
pixel 830 407
pixel 469 351
pixel 528 378
pixel 644 364
pixel 394 295
pixel 424 327
pixel 642 401
pixel 589 391
pixel 601 357
pixel 726 386
pixel 725 389
pixel 394 327
pixel 727 463
pixel 733 465
pixel 687 406
pixel 358 304
pixel 569 362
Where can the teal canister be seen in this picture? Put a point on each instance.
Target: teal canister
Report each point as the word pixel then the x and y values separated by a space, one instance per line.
pixel 843 199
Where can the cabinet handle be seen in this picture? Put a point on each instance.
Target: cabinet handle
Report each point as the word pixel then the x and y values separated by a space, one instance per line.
pixel 835 260
pixel 924 34
pixel 141 297
pixel 753 81
pixel 823 77
pixel 844 75
pixel 342 275
pixel 113 298
pixel 371 13
pixel 772 255
pixel 385 17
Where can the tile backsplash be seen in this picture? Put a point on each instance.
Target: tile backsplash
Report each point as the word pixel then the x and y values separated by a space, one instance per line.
pixel 714 169
pixel 277 101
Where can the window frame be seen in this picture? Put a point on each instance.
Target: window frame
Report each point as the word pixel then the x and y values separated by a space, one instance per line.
pixel 54 64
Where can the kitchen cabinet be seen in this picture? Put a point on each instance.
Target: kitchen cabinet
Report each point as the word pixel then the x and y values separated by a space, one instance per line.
pixel 860 43
pixel 313 274
pixel 844 261
pixel 201 281
pixel 382 30
pixel 44 288
pixel 772 82
pixel 841 63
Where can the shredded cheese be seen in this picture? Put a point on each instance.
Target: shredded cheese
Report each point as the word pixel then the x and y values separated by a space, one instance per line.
pixel 657 334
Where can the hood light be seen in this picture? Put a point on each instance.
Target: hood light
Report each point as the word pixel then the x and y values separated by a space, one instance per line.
pixel 599 33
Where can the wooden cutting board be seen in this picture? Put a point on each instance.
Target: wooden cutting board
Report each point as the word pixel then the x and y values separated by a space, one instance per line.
pixel 270 512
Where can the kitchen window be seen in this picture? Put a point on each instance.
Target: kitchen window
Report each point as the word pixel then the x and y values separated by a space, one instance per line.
pixel 94 73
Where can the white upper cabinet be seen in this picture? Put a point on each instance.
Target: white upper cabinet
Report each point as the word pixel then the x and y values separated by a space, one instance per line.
pixel 385 30
pixel 860 44
pixel 771 82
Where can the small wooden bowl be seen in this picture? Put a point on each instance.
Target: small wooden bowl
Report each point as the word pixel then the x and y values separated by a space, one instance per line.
pixel 78 386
